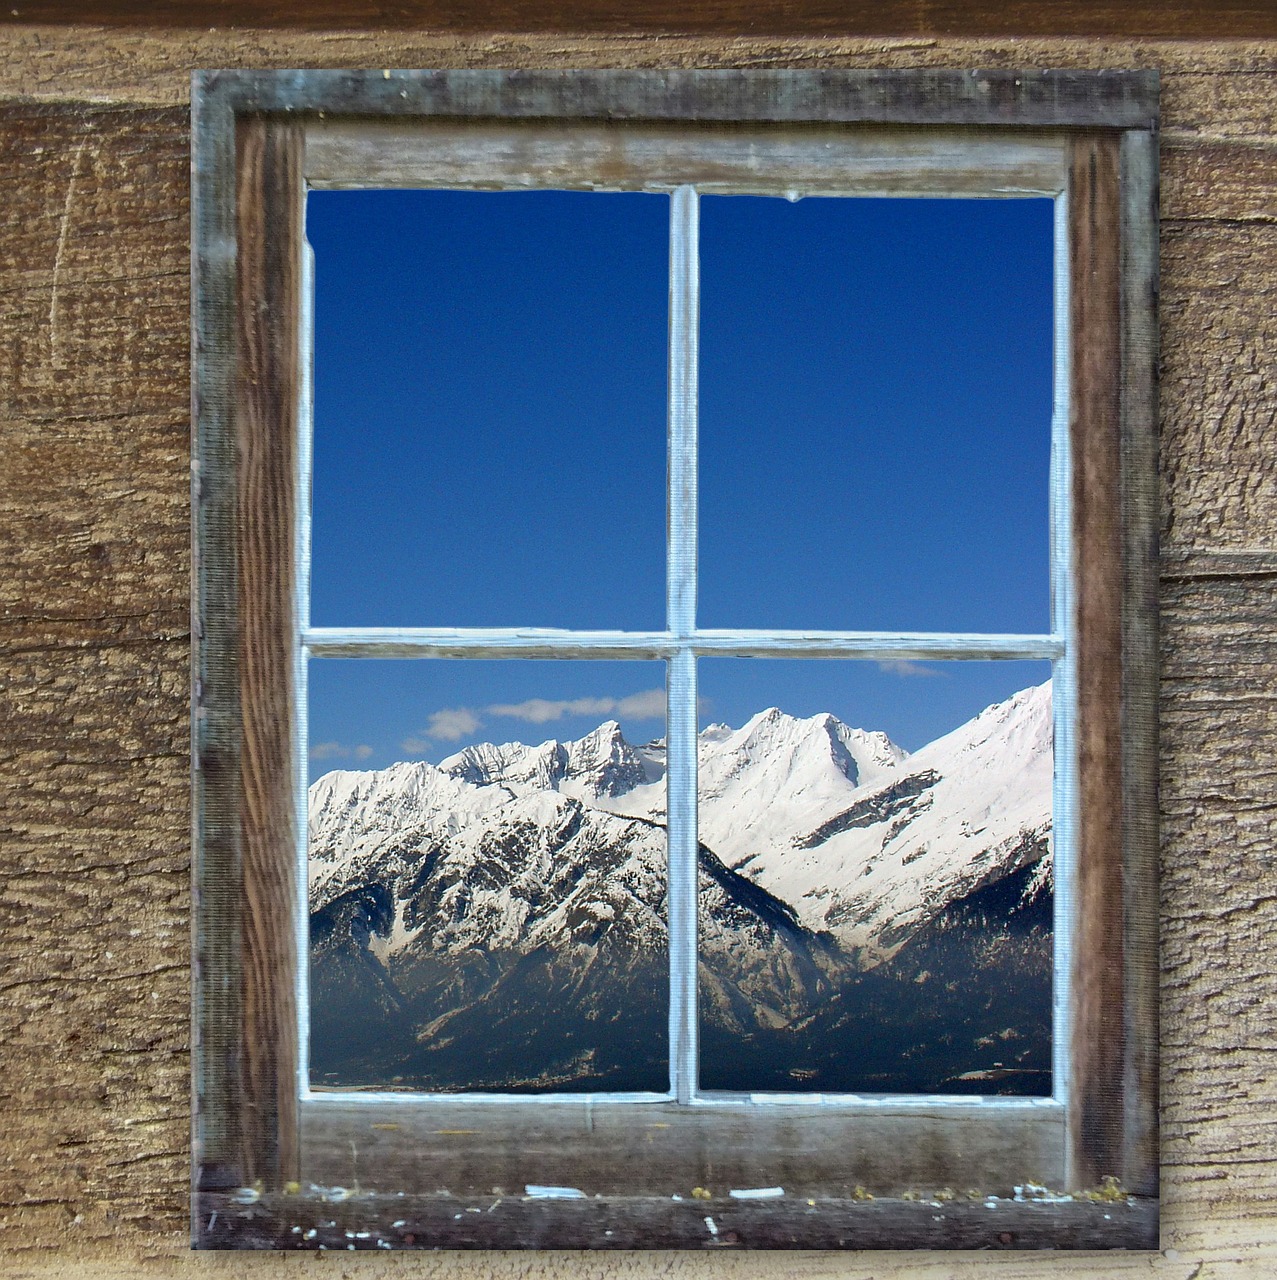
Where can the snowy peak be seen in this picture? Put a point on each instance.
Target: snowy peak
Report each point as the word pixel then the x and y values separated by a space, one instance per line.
pixel 513 763
pixel 860 838
pixel 966 810
pixel 794 747
pixel 602 763
pixel 1005 737
pixel 778 774
pixel 347 805
pixel 605 763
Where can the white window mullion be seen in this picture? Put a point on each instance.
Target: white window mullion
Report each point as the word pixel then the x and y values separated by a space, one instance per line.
pixel 1064 668
pixel 301 621
pixel 681 726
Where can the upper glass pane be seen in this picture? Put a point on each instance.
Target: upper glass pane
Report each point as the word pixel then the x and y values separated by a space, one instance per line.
pixel 489 408
pixel 875 413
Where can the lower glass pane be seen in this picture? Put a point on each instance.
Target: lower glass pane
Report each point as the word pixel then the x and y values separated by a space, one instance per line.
pixel 876 878
pixel 485 915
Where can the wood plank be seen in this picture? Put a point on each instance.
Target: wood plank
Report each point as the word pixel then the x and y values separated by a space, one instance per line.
pixel 1210 90
pixel 1224 181
pixel 814 160
pixel 216 851
pixel 1175 18
pixel 1141 517
pixel 665 1149
pixel 269 201
pixel 1219 343
pixel 1097 1041
pixel 373 1223
pixel 921 96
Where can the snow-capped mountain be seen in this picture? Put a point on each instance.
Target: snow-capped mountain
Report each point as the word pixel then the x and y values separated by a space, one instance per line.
pixel 498 920
pixel 873 862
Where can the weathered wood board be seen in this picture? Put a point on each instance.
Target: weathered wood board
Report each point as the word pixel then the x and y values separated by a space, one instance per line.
pixel 94 644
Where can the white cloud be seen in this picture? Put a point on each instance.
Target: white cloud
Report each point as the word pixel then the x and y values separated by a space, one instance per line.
pixel 339 751
pixel 905 667
pixel 448 725
pixel 648 705
pixel 543 710
pixel 454 723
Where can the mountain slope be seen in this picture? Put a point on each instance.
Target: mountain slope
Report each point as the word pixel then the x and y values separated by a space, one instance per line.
pixel 498 921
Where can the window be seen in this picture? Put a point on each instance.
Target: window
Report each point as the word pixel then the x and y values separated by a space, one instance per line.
pixel 279 1163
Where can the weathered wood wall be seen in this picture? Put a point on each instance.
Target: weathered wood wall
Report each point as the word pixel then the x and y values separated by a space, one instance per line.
pixel 94 572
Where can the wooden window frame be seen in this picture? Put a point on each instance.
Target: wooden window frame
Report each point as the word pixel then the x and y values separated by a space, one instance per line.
pixel 277 1167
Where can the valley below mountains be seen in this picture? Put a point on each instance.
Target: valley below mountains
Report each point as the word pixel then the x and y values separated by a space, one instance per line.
pixel 870 920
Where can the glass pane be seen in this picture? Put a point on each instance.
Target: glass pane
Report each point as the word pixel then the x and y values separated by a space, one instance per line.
pixel 485 914
pixel 489 408
pixel 876 892
pixel 875 413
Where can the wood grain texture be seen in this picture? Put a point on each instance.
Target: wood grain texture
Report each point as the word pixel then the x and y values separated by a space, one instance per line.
pixel 93 663
pixel 269 204
pixel 1140 500
pixel 815 160
pixel 1219 411
pixel 1212 90
pixel 668 1150
pixel 94 635
pixel 1024 97
pixel 716 1225
pixel 1178 18
pixel 1098 1041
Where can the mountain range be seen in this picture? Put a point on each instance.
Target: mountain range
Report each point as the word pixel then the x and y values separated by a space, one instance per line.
pixel 870 919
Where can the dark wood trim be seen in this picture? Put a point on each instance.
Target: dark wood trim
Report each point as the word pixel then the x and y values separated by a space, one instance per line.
pixel 1141 517
pixel 360 1221
pixel 1113 195
pixel 1178 19
pixel 269 239
pixel 1002 97
pixel 1097 1048
pixel 216 853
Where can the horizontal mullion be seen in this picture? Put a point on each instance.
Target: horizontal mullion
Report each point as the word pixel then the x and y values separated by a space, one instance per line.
pixel 533 642
pixel 478 642
pixel 921 645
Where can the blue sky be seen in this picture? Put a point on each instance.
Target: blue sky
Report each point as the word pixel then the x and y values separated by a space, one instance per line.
pixel 490 450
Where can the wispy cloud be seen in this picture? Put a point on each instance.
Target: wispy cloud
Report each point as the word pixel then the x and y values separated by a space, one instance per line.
pixel 449 725
pixel 339 751
pixel 648 705
pixel 454 723
pixel 905 667
pixel 543 710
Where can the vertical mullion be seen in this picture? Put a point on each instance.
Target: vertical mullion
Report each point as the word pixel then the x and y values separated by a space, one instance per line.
pixel 681 727
pixel 1063 670
pixel 301 613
